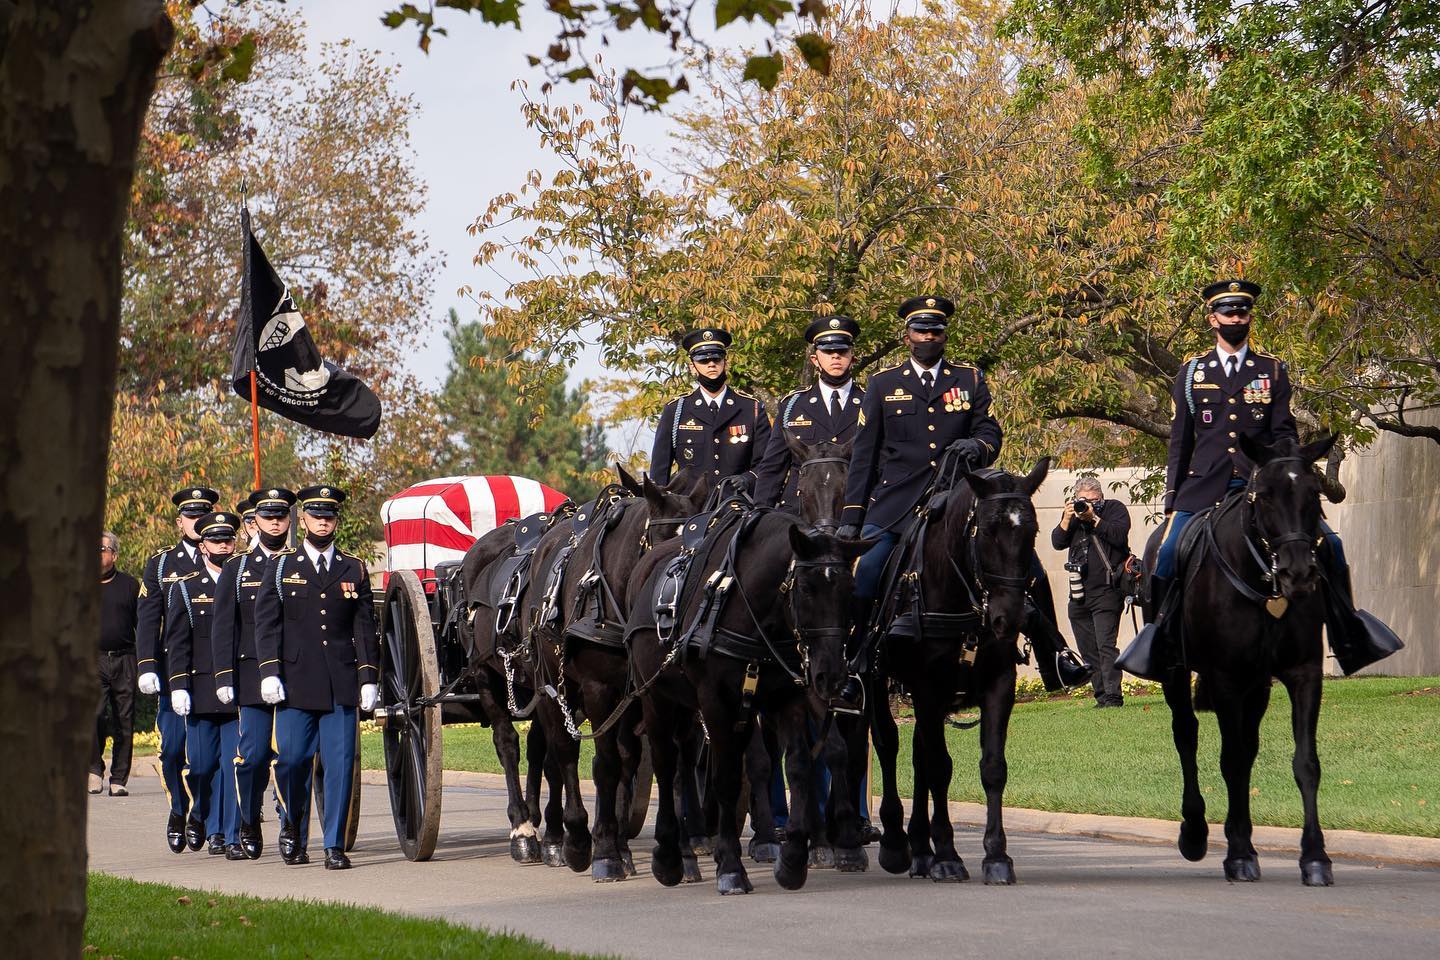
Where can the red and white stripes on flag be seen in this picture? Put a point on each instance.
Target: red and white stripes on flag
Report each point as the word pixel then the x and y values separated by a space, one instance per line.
pixel 437 520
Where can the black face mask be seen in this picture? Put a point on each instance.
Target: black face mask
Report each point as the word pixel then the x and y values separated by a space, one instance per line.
pixel 276 541
pixel 927 352
pixel 711 384
pixel 838 380
pixel 319 542
pixel 1234 333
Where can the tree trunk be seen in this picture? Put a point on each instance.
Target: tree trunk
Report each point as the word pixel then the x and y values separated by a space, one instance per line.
pixel 75 79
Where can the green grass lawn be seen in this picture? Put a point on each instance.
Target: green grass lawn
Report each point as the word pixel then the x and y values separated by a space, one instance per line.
pixel 127 920
pixel 1379 755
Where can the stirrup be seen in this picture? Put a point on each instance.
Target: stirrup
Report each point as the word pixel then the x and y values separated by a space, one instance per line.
pixel 841 705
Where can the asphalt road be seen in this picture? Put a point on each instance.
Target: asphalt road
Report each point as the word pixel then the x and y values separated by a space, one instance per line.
pixel 1076 897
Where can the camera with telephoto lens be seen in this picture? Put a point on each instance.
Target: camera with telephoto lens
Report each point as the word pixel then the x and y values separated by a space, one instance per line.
pixel 1076 570
pixel 1082 505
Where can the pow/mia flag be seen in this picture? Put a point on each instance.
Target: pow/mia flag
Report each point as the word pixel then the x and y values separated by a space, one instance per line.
pixel 290 376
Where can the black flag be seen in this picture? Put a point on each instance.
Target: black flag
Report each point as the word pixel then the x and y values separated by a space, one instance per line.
pixel 290 376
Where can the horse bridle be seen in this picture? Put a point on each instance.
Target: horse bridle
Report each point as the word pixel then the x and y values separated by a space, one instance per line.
pixel 1272 546
pixel 828 524
pixel 986 581
pixel 645 542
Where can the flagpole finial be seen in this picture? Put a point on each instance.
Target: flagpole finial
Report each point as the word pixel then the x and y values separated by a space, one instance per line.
pixel 245 194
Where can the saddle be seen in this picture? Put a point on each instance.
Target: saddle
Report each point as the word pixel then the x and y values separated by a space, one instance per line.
pixel 675 587
pixel 597 617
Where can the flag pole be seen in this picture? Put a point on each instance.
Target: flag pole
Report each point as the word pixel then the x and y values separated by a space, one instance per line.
pixel 255 427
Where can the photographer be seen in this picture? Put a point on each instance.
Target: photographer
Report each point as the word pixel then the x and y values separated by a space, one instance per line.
pixel 1096 531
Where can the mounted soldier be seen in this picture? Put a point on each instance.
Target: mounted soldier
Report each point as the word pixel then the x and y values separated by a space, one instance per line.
pixel 913 413
pixel 162 571
pixel 826 412
pixel 714 429
pixel 1231 391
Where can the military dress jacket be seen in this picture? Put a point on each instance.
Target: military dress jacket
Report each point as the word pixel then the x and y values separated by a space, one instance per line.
pixel 232 637
pixel 722 444
pixel 805 414
pixel 903 432
pixel 188 626
pixel 1212 411
pixel 317 633
pixel 162 571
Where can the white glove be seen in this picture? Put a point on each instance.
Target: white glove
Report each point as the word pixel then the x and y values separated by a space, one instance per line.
pixel 272 691
pixel 369 696
pixel 225 695
pixel 149 683
pixel 180 702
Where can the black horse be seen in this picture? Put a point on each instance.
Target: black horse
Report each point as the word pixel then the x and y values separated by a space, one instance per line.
pixel 575 622
pixel 1253 610
pixel 955 644
pixel 762 618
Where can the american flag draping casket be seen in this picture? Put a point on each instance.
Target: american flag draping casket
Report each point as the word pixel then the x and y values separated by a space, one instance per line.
pixel 437 520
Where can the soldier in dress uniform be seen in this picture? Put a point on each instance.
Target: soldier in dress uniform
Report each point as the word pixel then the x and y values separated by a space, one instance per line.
pixel 714 429
pixel 827 411
pixel 237 671
pixel 246 509
pixel 319 660
pixel 210 728
pixel 1234 390
pixel 162 571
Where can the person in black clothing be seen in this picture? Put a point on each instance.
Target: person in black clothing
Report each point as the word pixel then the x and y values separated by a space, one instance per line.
pixel 1096 531
pixel 119 597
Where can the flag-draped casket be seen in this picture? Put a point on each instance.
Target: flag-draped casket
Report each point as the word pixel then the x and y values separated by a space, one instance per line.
pixel 437 520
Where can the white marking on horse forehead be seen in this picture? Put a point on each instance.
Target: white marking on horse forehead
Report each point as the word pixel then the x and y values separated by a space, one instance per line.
pixel 1015 518
pixel 1293 475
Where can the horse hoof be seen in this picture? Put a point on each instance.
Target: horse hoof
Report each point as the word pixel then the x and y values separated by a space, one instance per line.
pixel 701 846
pixel 920 865
pixel 1001 872
pixel 525 850
pixel 895 859
pixel 552 852
pixel 608 871
pixel 822 858
pixel 691 868
pixel 1194 840
pixel 629 864
pixel 1242 869
pixel 949 871
pixel 792 872
pixel 853 860
pixel 577 856
pixel 737 882
pixel 764 852
pixel 666 868
pixel 1317 873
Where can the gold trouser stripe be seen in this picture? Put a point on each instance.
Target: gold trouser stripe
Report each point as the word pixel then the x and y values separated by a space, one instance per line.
pixel 353 810
pixel 275 749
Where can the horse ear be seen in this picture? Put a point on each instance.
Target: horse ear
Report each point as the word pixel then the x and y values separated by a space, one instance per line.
pixel 842 450
pixel 806 547
pixel 627 480
pixel 799 449
pixel 1035 477
pixel 1253 453
pixel 653 494
pixel 1319 448
pixel 982 485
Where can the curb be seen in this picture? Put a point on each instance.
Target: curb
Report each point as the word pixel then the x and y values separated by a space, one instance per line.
pixel 1356 845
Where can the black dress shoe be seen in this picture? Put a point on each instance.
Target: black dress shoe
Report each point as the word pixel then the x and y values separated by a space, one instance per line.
pixel 235 852
pixel 175 833
pixel 287 839
pixel 295 857
pixel 1072 671
pixel 335 859
pixel 869 833
pixel 217 844
pixel 251 841
pixel 851 698
pixel 194 833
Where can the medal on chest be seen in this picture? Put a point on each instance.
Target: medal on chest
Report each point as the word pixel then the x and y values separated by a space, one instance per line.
pixel 956 399
pixel 739 434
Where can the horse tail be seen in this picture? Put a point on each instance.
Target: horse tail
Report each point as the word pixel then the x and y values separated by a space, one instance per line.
pixel 1202 699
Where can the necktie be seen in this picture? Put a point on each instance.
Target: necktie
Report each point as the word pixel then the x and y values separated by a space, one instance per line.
pixel 1232 364
pixel 834 403
pixel 324 567
pixel 928 379
pixel 714 407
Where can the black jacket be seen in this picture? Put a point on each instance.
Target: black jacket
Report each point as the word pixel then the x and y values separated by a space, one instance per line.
pixel 1255 402
pixel 903 433
pixel 688 436
pixel 806 415
pixel 233 636
pixel 119 605
pixel 187 639
pixel 162 571
pixel 317 634
pixel 1112 532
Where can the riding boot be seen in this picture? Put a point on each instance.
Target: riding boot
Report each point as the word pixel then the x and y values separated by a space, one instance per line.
pixel 1058 665
pixel 853 693
pixel 1357 637
pixel 1150 655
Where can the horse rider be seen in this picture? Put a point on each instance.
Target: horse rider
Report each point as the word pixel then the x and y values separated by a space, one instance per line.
pixel 714 428
pixel 911 414
pixel 319 656
pixel 829 410
pixel 210 725
pixel 162 571
pixel 237 670
pixel 1234 390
